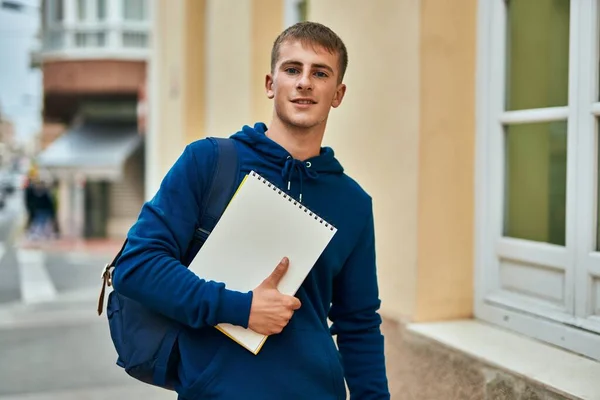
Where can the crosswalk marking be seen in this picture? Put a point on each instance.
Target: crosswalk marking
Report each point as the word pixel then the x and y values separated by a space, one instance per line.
pixel 35 282
pixel 2 250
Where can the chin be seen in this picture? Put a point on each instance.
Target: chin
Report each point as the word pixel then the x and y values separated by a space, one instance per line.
pixel 302 123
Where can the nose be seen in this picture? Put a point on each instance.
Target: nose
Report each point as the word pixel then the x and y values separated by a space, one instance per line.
pixel 304 82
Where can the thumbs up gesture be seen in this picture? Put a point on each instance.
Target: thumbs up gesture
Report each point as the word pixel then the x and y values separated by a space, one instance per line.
pixel 271 310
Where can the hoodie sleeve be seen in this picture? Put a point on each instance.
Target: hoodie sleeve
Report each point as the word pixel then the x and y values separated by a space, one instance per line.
pixel 356 321
pixel 149 270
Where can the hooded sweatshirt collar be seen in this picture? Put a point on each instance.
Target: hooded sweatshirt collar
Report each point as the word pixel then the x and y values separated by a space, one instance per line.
pixel 280 158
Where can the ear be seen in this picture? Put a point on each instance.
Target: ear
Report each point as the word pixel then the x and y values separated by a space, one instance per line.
pixel 339 96
pixel 269 86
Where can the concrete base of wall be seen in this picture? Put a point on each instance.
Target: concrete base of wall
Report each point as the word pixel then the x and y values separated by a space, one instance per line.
pixel 420 368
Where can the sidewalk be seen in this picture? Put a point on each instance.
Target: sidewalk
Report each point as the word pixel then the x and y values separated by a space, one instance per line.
pixel 109 247
pixel 134 391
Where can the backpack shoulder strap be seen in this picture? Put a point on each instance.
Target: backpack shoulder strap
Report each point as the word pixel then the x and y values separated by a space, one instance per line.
pixel 216 198
pixel 221 189
pixel 223 185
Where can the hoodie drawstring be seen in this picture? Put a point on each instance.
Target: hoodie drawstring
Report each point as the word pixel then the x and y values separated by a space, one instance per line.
pixel 302 168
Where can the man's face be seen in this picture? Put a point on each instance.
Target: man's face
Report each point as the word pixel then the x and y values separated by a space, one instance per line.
pixel 304 85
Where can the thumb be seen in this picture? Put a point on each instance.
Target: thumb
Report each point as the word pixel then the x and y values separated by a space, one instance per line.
pixel 280 270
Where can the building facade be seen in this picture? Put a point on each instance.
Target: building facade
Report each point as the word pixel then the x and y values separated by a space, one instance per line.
pixel 94 60
pixel 7 141
pixel 473 124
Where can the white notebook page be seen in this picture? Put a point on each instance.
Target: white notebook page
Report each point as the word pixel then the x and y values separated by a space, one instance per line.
pixel 260 227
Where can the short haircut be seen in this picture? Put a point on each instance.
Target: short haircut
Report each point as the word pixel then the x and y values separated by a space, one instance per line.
pixel 313 33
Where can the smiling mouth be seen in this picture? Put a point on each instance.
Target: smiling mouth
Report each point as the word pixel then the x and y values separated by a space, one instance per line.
pixel 306 102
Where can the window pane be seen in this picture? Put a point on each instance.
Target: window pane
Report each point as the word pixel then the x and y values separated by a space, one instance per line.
pixel 101 9
pixel 537 54
pixel 81 9
pixel 90 39
pixel 134 10
pixel 535 182
pixel 55 10
pixel 135 39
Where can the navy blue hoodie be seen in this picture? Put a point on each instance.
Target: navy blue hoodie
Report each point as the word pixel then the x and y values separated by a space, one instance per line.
pixel 302 362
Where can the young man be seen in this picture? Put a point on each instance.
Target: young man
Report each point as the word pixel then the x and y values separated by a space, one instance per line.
pixel 299 360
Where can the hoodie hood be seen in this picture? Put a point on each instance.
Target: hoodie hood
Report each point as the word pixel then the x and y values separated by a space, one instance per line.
pixel 279 158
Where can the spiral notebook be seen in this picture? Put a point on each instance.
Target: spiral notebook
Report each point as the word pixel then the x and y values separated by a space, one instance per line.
pixel 260 226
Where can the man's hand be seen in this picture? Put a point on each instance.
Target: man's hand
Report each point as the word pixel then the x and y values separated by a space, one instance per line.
pixel 271 310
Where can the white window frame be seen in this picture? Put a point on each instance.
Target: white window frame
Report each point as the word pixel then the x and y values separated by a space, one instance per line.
pixel 113 27
pixel 571 325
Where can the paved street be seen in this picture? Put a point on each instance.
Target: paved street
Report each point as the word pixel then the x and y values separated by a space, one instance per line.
pixel 52 343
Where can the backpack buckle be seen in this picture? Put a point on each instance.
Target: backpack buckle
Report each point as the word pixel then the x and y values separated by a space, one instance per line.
pixel 106 281
pixel 106 275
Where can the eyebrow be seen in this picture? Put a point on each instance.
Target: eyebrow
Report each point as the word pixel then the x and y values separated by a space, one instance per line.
pixel 298 63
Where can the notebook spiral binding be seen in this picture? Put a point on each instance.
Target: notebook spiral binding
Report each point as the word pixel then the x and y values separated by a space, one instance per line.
pixel 292 200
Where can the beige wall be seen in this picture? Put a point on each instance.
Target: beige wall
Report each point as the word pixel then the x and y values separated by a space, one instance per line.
pixel 240 34
pixel 229 65
pixel 405 130
pixel 446 160
pixel 195 70
pixel 166 97
pixel 267 23
pixel 375 131
pixel 206 73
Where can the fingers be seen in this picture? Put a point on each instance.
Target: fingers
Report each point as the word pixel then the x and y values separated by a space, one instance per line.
pixel 276 276
pixel 295 303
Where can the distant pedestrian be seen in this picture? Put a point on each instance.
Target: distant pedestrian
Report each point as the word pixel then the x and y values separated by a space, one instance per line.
pixel 42 211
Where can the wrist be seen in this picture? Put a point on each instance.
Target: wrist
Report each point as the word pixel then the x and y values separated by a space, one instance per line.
pixel 234 308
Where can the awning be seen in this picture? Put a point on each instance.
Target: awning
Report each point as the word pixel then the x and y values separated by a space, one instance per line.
pixel 95 150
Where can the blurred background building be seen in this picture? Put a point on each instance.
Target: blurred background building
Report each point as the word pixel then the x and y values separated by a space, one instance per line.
pixel 7 140
pixel 473 125
pixel 94 57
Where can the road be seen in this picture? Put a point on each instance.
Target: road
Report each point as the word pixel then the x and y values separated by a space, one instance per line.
pixel 52 343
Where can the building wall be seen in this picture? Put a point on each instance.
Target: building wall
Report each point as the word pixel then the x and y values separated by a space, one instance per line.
pixel 228 56
pixel 446 160
pixel 405 130
pixel 195 70
pixel 93 76
pixel 210 59
pixel 166 119
pixel 375 132
pixel 266 24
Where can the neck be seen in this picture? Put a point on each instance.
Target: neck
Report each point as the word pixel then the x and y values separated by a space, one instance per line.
pixel 301 143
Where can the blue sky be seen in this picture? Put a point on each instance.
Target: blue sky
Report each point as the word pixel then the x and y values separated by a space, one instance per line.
pixel 20 86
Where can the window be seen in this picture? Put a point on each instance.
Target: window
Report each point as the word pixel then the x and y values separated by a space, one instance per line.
pixel 89 10
pixel 101 9
pixel 54 11
pixel 538 185
pixel 135 39
pixel 81 10
pixel 135 10
pixel 90 39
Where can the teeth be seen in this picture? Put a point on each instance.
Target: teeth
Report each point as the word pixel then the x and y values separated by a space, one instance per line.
pixel 304 102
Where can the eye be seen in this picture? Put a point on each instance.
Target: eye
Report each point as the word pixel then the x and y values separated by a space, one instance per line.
pixel 321 74
pixel 291 70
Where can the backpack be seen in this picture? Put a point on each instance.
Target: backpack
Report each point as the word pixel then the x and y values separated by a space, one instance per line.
pixel 145 340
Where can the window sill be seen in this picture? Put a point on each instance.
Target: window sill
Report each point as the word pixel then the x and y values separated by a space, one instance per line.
pixel 564 372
